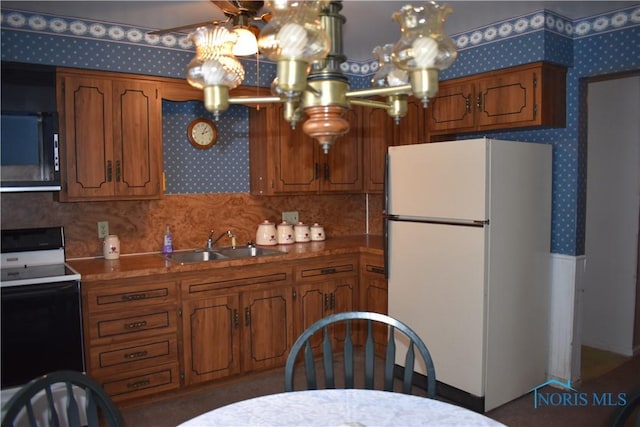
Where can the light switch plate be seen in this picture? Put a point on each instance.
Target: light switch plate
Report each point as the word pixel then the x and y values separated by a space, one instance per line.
pixel 291 217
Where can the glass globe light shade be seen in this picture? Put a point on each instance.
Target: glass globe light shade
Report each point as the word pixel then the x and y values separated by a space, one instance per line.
pixel 388 74
pixel 294 32
pixel 423 43
pixel 214 63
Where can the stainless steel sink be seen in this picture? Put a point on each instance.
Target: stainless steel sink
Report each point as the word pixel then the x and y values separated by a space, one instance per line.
pixel 207 255
pixel 246 252
pixel 198 255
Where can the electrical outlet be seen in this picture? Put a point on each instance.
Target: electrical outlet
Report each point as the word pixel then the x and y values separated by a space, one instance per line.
pixel 103 229
pixel 291 217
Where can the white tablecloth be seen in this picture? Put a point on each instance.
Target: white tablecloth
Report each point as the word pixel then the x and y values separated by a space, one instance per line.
pixel 340 408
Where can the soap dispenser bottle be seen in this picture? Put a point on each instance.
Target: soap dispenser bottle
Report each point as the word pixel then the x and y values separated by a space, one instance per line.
pixel 167 246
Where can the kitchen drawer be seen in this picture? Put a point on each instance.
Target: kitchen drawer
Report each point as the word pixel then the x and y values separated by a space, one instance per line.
pixel 141 383
pixel 235 280
pixel 325 268
pixel 134 355
pixel 128 294
pixel 119 327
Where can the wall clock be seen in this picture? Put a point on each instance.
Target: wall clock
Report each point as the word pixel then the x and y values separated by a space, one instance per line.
pixel 202 133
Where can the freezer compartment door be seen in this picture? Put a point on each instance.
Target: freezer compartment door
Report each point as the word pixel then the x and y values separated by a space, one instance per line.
pixel 437 287
pixel 438 180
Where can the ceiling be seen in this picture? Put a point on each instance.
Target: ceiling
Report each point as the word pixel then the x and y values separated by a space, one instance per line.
pixel 368 22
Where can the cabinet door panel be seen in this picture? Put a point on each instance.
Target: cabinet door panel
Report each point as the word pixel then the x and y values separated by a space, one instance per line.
pixel 452 108
pixel 378 134
pixel 341 170
pixel 410 130
pixel 211 343
pixel 268 328
pixel 136 135
pixel 313 303
pixel 88 148
pixel 298 166
pixel 508 98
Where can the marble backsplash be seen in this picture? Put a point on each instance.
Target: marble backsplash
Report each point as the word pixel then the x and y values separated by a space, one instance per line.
pixel 140 225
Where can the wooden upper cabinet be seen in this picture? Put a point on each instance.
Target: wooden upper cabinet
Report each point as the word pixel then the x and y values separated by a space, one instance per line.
pixel 111 132
pixel 379 132
pixel 341 167
pixel 519 97
pixel 287 161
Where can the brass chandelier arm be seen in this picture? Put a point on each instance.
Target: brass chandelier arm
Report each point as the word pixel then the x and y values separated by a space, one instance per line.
pixel 380 91
pixel 369 103
pixel 255 100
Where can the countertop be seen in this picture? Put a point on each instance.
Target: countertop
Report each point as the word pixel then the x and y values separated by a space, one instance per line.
pixel 155 263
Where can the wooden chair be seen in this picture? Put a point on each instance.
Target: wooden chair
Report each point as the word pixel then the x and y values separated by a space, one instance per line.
pixel 395 330
pixel 52 400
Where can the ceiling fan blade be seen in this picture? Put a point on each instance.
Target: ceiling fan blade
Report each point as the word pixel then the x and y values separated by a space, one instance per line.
pixel 233 7
pixel 182 28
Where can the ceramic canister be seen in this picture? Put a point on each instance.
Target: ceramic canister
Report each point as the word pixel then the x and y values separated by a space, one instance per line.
pixel 111 247
pixel 302 232
pixel 285 233
pixel 266 234
pixel 317 232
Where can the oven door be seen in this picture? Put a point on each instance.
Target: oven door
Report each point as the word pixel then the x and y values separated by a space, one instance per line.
pixel 41 331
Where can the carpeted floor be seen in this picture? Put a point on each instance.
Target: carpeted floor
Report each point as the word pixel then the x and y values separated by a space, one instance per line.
pixel 519 413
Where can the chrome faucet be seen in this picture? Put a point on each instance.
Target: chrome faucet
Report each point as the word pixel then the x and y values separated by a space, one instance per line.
pixel 211 242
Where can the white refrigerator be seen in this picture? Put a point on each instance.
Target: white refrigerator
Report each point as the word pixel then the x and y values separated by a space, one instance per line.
pixel 467 227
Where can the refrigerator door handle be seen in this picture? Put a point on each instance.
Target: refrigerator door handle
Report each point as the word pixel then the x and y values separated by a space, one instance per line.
pixel 385 247
pixel 385 222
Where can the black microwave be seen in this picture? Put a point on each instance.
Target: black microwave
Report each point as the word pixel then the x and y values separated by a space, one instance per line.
pixel 30 154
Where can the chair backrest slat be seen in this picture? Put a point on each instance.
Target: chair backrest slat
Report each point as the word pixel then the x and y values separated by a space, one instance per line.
pixel 53 414
pixel 327 352
pixel 348 358
pixel 310 366
pixel 369 357
pixel 73 413
pixel 389 360
pixel 327 326
pixel 409 364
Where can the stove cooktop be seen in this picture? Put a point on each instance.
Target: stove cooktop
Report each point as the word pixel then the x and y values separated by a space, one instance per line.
pixel 37 274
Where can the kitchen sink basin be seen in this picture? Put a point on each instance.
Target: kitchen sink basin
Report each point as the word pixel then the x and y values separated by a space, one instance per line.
pixel 205 255
pixel 246 252
pixel 198 255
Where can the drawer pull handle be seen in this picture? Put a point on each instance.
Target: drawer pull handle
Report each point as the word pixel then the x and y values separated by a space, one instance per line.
pixel 135 354
pixel 133 297
pixel 134 325
pixel 328 271
pixel 377 270
pixel 247 316
pixel 139 384
pixel 326 302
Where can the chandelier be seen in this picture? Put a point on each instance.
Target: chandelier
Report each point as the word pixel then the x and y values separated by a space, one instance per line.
pixel 304 38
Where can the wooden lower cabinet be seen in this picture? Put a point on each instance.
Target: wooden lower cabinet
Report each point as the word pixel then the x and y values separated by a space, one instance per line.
pixel 374 293
pixel 153 334
pixel 131 335
pixel 236 320
pixel 211 335
pixel 325 286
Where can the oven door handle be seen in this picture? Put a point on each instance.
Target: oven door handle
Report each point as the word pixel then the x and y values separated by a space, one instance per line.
pixel 39 290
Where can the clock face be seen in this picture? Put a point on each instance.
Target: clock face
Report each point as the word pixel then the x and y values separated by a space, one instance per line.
pixel 202 133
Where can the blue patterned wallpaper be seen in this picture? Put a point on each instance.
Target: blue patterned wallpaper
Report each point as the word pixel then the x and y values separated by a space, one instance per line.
pixel 591 46
pixel 215 170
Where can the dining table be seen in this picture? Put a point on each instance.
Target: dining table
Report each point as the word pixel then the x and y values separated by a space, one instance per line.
pixel 340 408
